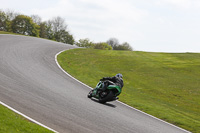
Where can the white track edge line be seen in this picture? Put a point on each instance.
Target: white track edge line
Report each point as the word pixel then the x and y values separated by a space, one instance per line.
pixel 32 120
pixel 117 100
pixel 68 73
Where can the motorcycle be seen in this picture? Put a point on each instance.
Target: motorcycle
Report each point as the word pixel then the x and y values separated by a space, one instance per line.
pixel 106 95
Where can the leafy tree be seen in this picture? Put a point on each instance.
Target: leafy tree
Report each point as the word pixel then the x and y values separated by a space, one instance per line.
pixel 68 38
pixel 59 29
pixel 64 36
pixel 49 30
pixel 113 42
pixel 24 25
pixel 85 43
pixel 11 14
pixel 43 30
pixel 58 24
pixel 36 19
pixel 4 21
pixel 103 46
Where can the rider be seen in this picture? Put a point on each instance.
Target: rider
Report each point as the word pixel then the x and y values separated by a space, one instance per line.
pixel 115 80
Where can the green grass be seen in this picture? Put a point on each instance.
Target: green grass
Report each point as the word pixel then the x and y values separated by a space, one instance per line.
pixel 165 85
pixel 4 32
pixel 11 122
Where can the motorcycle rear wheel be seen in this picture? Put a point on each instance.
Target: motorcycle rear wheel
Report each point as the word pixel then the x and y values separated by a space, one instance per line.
pixel 107 98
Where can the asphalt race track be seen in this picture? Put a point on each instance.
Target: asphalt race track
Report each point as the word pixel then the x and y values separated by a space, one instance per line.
pixel 32 83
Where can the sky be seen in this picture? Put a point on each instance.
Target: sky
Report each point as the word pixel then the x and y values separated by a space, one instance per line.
pixel 147 25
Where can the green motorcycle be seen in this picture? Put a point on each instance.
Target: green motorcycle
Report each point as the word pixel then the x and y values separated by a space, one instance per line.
pixel 106 95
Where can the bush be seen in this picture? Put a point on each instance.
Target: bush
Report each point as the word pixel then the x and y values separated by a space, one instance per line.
pixel 124 46
pixel 85 43
pixel 103 46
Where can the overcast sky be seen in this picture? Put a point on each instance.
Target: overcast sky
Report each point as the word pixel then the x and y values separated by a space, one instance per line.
pixel 147 25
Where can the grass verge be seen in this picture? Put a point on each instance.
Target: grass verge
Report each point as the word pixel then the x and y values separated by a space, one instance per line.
pixel 11 122
pixel 4 32
pixel 165 85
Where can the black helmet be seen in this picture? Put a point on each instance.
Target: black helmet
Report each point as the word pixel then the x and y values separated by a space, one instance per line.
pixel 119 75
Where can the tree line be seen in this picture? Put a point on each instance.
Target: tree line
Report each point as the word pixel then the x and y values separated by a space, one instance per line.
pixel 53 29
pixel 110 44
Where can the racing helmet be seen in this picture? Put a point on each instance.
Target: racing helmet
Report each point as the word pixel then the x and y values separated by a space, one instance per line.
pixel 119 75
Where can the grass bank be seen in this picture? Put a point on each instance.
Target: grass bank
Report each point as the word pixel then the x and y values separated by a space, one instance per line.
pixel 11 122
pixel 4 32
pixel 165 85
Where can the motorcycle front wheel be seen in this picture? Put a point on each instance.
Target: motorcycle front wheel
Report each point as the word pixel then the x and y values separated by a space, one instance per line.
pixel 90 94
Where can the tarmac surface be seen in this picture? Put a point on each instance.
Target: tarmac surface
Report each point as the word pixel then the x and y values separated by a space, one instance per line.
pixel 32 83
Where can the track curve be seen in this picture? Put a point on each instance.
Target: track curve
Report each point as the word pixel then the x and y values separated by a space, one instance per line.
pixel 32 83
